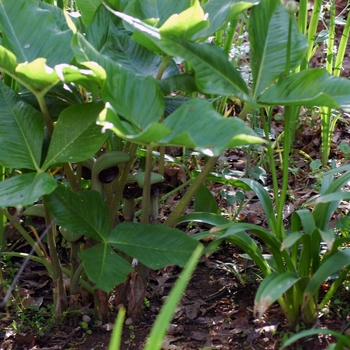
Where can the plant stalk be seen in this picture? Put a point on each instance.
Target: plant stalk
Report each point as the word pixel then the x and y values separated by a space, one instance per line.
pixel 171 221
pixel 60 303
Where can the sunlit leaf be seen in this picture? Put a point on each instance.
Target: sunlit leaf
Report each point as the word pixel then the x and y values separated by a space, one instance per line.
pixel 76 136
pixel 268 34
pixel 312 87
pixel 22 23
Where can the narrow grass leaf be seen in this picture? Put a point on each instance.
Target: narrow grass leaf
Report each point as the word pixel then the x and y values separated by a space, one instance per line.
pixel 161 325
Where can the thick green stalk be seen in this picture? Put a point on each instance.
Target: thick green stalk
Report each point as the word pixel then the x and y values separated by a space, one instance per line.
pixel 129 148
pixel 146 193
pixel 342 47
pixel 185 200
pixel 330 45
pixel 271 158
pixel 326 133
pixel 57 276
pixel 303 16
pixel 45 111
pixel 3 219
pixel 313 27
pixel 163 65
pixel 22 231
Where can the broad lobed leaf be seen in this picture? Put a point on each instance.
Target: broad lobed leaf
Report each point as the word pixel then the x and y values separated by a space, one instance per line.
pixel 84 212
pixel 25 189
pixel 33 42
pixel 104 266
pixel 21 132
pixel 154 245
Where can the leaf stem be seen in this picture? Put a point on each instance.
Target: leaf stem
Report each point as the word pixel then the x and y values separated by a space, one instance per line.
pixel 185 200
pixel 45 111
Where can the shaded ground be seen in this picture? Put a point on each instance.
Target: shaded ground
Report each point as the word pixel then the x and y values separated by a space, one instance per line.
pixel 216 312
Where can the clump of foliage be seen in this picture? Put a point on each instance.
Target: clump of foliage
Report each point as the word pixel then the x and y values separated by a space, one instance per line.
pixel 109 80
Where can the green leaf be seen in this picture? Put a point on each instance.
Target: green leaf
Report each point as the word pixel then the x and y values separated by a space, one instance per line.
pixel 110 120
pixel 268 34
pixel 154 245
pixel 291 239
pixel 214 73
pixel 312 87
pixel 25 189
pixel 88 9
pixel 57 99
pixel 329 267
pixel 205 218
pixel 248 245
pixel 272 288
pixel 197 124
pixel 46 32
pixel 265 201
pixel 76 136
pixel 21 132
pixel 205 202
pixel 104 266
pixel 183 82
pixel 144 34
pixel 122 49
pixel 139 99
pixel 99 27
pixel 187 23
pixel 221 12
pixel 84 212
pixel 315 332
pixel 162 10
pixel 164 318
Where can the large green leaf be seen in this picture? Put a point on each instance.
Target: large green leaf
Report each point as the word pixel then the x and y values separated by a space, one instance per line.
pixel 160 9
pixel 205 201
pixel 32 29
pixel 154 245
pixel 313 87
pixel 144 33
pixel 268 34
pixel 21 132
pixel 187 23
pixel 136 98
pixel 214 73
pixel 272 288
pixel 39 78
pixel 57 99
pixel 104 266
pixel 197 124
pixel 131 55
pixel 88 9
pixel 84 212
pixel 220 12
pixel 182 82
pixel 111 120
pixel 76 136
pixel 25 189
